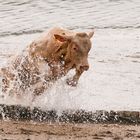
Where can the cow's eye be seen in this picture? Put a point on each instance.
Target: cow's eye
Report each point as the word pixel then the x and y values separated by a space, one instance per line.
pixel 75 48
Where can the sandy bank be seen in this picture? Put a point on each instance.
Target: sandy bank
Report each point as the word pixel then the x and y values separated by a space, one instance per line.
pixel 11 130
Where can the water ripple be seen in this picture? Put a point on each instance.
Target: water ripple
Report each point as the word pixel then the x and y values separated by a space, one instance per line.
pixel 27 16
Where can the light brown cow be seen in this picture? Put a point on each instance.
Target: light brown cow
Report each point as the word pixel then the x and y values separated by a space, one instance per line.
pixel 61 50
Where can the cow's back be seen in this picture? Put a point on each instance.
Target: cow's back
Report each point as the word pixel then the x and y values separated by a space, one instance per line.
pixel 46 45
pixel 60 31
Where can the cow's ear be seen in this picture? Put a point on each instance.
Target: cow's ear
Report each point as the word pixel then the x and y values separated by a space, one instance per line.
pixel 62 38
pixel 90 34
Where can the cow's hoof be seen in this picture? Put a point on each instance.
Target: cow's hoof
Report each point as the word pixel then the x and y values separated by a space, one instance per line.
pixel 71 82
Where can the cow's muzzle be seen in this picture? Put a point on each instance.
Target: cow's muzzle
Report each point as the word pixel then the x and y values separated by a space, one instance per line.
pixel 84 67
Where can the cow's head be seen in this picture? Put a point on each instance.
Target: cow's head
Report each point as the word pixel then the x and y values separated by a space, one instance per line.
pixel 77 49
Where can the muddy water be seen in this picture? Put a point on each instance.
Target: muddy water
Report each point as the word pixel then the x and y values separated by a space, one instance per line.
pixel 114 77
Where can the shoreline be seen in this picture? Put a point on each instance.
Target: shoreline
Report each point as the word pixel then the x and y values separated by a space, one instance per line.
pixel 21 113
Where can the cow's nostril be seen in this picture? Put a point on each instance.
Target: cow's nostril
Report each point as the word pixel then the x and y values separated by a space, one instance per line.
pixel 84 68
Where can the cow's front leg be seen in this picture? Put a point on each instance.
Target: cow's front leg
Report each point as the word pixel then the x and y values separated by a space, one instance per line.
pixel 74 80
pixel 54 72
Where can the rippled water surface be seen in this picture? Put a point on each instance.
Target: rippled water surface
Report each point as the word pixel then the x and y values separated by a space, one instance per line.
pixel 114 77
pixel 29 16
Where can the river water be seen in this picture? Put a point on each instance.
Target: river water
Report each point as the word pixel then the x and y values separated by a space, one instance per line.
pixel 30 16
pixel 114 77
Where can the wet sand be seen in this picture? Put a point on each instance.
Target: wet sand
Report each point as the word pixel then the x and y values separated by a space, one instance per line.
pixel 10 130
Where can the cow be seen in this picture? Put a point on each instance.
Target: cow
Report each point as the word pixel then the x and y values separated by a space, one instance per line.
pixel 46 60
